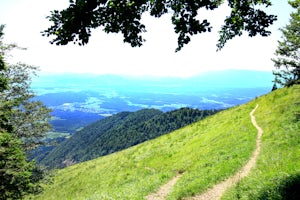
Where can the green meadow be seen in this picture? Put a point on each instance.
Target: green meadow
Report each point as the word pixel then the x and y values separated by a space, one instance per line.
pixel 205 152
pixel 53 135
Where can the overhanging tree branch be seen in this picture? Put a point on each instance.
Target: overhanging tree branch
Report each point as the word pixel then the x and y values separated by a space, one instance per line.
pixel 74 23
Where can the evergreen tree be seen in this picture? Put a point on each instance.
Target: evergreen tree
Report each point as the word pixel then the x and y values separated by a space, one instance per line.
pixel 287 61
pixel 22 124
pixel 15 171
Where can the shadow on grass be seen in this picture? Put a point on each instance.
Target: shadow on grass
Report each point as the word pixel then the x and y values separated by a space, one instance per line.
pixel 286 189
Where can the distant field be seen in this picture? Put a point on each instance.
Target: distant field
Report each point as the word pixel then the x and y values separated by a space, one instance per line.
pixel 53 135
pixel 110 94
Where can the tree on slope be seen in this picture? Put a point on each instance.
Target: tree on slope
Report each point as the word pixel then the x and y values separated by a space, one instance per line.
pixel 287 61
pixel 18 176
pixel 30 118
pixel 124 16
pixel 15 170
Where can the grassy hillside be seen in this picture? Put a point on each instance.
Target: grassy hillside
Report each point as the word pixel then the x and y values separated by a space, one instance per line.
pixel 119 132
pixel 277 174
pixel 207 152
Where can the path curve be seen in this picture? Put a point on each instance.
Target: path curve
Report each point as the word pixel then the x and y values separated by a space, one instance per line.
pixel 218 190
pixel 164 190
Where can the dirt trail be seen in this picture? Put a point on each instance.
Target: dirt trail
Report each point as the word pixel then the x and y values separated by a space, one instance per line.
pixel 164 190
pixel 217 191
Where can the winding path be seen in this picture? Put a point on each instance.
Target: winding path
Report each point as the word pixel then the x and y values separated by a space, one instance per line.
pixel 217 191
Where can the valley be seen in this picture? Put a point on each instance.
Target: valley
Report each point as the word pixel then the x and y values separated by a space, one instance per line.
pixel 80 99
pixel 206 153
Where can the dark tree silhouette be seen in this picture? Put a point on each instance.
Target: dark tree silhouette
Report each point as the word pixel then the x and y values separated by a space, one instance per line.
pixel 74 23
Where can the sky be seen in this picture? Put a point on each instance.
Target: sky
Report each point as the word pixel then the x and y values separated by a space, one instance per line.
pixel 107 54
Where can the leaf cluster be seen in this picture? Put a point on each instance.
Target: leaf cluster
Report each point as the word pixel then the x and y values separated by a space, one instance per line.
pixel 3 80
pixel 29 118
pixel 124 16
pixel 15 171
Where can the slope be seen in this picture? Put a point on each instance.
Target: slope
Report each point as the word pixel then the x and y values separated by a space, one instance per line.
pixel 207 152
pixel 277 174
pixel 119 132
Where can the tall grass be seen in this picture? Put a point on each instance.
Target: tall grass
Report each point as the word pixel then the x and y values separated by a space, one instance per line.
pixel 207 152
pixel 277 173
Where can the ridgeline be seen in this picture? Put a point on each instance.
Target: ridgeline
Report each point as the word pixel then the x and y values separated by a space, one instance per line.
pixel 119 132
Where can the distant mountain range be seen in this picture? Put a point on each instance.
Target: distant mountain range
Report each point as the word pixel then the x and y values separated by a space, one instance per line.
pixel 80 99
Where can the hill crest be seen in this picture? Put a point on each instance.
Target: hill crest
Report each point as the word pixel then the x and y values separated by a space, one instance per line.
pixel 119 132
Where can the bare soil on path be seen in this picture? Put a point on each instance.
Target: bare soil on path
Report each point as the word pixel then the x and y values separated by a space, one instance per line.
pixel 164 190
pixel 218 190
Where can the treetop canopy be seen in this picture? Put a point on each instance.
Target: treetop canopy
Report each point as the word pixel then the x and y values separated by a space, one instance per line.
pixel 74 23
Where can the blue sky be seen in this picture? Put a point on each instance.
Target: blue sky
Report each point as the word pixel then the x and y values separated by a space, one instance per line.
pixel 107 54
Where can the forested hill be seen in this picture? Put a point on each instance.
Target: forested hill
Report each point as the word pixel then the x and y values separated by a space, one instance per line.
pixel 119 132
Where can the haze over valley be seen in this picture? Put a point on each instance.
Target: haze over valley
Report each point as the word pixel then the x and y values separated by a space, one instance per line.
pixel 80 99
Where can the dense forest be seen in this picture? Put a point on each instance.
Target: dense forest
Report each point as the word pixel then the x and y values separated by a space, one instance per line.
pixel 119 132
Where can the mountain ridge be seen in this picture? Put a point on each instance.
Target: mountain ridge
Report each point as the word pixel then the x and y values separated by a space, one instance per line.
pixel 119 132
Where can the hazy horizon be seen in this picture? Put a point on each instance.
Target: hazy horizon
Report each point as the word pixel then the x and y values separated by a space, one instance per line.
pixel 107 54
